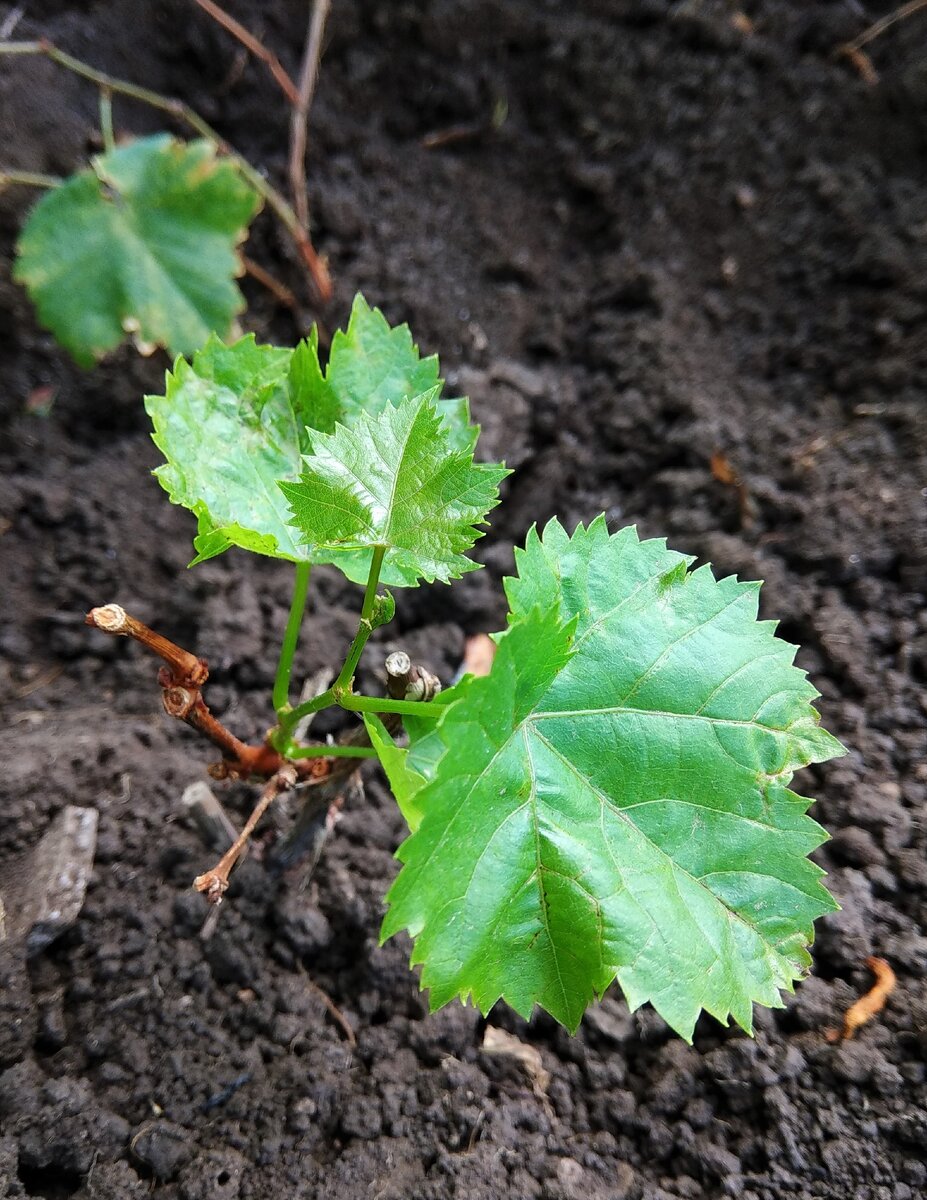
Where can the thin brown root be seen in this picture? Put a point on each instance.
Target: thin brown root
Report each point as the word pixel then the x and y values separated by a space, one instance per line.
pixel 214 883
pixel 273 285
pixel 254 46
pixel 335 1013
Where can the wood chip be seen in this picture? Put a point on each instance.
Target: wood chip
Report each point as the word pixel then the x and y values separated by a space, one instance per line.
pixel 44 889
pixel 505 1045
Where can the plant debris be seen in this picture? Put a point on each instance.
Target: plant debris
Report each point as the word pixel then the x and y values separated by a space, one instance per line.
pixel 866 1007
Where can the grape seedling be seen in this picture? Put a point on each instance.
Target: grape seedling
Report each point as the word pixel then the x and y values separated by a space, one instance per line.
pixel 611 802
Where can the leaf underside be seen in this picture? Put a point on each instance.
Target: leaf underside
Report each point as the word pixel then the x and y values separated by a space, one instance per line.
pixel 612 800
pixel 142 243
pixel 239 420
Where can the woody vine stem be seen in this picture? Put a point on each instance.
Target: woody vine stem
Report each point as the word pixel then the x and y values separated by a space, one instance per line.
pixel 281 760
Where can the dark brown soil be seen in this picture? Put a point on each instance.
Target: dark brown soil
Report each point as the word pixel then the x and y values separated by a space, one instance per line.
pixel 684 239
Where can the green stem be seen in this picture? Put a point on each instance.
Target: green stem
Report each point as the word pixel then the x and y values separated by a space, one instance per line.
pixel 346 675
pixel 289 720
pixel 334 751
pixel 291 637
pixel 382 704
pixel 106 120
pixel 29 178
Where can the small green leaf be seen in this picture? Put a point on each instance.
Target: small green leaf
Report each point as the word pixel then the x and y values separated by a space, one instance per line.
pixel 393 479
pixel 404 781
pixel 239 418
pixel 384 609
pixel 143 243
pixel 311 393
pixel 612 798
pixel 373 364
pixel 231 424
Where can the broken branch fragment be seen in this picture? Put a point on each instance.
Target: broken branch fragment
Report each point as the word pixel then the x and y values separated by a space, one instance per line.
pixel 186 668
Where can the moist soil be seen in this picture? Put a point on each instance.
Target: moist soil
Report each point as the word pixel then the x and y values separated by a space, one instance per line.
pixel 695 233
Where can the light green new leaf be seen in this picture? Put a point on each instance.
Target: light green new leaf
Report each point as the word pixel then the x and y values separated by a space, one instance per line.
pixel 231 424
pixel 373 364
pixel 143 243
pixel 312 393
pixel 238 419
pixel 613 798
pixel 393 479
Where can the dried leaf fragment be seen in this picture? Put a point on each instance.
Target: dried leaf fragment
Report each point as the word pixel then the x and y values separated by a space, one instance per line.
pixel 724 472
pixel 479 652
pixel 867 1006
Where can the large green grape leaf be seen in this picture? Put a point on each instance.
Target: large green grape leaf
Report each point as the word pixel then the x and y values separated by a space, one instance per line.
pixel 144 243
pixel 612 801
pixel 393 479
pixel 231 424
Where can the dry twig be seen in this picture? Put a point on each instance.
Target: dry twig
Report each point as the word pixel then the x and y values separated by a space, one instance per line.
pixel 11 20
pixel 853 50
pixel 256 47
pixel 216 881
pixel 181 681
pixel 299 122
pixel 299 125
pixel 879 27
pixel 273 285
pixel 186 669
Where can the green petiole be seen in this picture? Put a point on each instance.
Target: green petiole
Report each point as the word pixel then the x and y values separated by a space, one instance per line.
pixel 333 751
pixel 290 638
pixel 383 704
